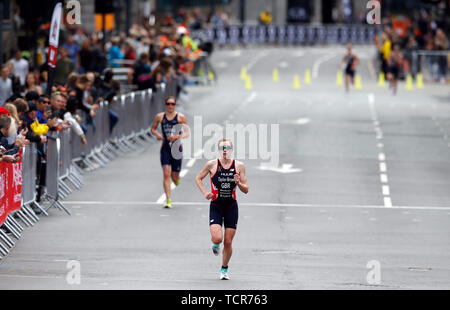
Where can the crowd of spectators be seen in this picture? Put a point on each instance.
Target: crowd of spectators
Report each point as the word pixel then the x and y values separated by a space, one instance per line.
pixel 421 30
pixel 84 76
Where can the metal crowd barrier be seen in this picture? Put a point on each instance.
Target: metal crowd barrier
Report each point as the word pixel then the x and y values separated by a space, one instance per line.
pixel 290 34
pixel 203 71
pixel 419 60
pixel 65 153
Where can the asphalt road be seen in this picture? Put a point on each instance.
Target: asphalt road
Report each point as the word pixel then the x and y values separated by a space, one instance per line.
pixel 363 180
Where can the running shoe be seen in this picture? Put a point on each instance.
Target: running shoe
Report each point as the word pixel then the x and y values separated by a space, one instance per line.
pixel 216 249
pixel 168 204
pixel 224 274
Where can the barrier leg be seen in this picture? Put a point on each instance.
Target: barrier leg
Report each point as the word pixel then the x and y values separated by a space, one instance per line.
pixel 15 233
pixel 128 145
pixel 40 208
pixel 25 219
pixel 66 188
pixel 62 193
pixel 102 157
pixel 6 239
pixel 55 203
pixel 78 177
pixel 75 169
pixel 89 163
pixel 146 137
pixel 112 150
pixel 62 207
pixel 14 223
pixel 30 213
pixel 72 180
pixel 96 159
pixel 3 249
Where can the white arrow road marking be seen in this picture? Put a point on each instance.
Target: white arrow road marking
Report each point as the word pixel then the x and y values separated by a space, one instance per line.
pixel 285 168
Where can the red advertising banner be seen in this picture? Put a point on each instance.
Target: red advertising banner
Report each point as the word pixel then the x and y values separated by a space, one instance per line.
pixel 10 188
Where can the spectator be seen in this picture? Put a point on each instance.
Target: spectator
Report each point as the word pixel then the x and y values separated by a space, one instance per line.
pixel 57 104
pixel 442 44
pixel 72 50
pixel 72 81
pixel 21 67
pixel 15 79
pixel 5 124
pixel 31 85
pixel 141 72
pixel 15 122
pixel 99 61
pixel 44 109
pixel 115 53
pixel 21 106
pixel 35 130
pixel 86 57
pixel 130 54
pixel 70 116
pixel 43 79
pixel 6 89
pixel 64 66
pixel 265 18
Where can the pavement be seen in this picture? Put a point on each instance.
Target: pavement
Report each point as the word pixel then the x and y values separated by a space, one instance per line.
pixel 359 198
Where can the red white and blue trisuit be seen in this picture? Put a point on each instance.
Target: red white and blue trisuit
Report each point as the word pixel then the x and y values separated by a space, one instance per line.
pixel 224 207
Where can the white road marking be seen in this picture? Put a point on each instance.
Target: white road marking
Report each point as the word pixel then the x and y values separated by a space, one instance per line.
pixel 299 54
pixel 383 167
pixel 319 62
pixel 386 191
pixel 191 162
pixel 255 60
pixel 381 157
pixel 222 65
pixel 387 202
pixel 302 121
pixel 236 53
pixel 383 178
pixel 161 199
pixel 257 204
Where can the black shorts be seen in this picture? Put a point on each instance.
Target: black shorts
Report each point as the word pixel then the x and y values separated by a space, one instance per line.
pixel 168 160
pixel 394 71
pixel 350 72
pixel 219 214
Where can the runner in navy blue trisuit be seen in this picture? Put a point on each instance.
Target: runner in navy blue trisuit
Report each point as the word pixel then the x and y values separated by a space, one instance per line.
pixel 174 128
pixel 226 174
pixel 350 63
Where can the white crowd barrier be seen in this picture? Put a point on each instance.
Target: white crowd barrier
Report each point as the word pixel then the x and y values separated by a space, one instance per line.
pixel 65 156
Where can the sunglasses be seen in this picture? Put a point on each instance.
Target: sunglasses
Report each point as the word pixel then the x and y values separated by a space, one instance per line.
pixel 225 147
pixel 171 103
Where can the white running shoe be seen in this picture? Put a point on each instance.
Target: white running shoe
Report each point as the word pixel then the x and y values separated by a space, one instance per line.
pixel 216 250
pixel 224 274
